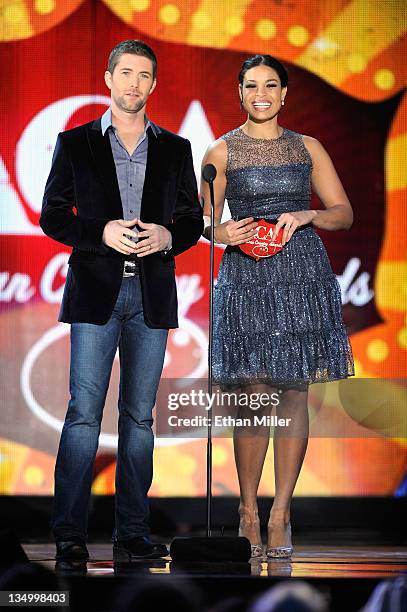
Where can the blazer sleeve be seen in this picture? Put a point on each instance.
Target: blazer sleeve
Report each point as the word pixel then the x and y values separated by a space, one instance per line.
pixel 187 223
pixel 57 218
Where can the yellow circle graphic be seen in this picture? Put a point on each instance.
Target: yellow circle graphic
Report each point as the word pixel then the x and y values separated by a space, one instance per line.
pixel 265 29
pixel 169 14
pixel 298 35
pixel 384 78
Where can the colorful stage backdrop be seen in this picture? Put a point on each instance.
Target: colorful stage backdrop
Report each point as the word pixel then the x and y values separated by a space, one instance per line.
pixel 347 66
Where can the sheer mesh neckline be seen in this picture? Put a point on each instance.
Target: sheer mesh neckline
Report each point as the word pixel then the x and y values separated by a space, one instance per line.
pixel 247 152
pixel 263 139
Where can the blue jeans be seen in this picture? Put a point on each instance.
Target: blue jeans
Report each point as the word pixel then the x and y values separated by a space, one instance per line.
pixel 93 348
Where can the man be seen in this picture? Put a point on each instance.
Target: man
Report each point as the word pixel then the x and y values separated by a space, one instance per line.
pixel 122 193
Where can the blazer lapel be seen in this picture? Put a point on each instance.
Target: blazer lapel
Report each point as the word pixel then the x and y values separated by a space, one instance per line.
pixel 102 154
pixel 150 210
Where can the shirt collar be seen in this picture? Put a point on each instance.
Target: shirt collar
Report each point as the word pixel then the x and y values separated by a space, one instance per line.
pixel 106 123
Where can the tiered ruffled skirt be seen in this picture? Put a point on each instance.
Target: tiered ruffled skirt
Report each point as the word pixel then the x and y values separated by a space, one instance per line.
pixel 279 320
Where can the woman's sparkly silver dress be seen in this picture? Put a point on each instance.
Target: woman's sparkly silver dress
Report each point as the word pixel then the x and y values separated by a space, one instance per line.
pixel 277 320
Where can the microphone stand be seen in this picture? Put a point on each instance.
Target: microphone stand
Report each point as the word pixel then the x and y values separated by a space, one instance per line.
pixel 210 350
pixel 210 548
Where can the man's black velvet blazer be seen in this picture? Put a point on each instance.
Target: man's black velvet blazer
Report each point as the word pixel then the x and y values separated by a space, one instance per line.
pixel 82 195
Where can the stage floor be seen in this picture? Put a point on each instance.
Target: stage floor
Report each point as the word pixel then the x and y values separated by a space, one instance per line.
pixel 345 575
pixel 307 562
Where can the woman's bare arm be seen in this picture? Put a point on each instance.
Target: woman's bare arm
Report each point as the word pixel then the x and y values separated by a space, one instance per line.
pixel 326 183
pixel 216 155
pixel 230 232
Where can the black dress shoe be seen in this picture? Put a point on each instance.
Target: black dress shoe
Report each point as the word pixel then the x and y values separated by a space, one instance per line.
pixel 71 566
pixel 71 550
pixel 138 547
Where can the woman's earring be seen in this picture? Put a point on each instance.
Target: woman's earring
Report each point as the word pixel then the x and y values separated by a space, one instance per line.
pixel 282 102
pixel 241 104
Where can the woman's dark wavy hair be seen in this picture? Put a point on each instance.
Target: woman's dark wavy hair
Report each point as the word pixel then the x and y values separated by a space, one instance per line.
pixel 264 60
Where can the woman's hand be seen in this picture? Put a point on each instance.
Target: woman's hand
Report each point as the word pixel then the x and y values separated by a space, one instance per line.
pixel 235 232
pixel 290 222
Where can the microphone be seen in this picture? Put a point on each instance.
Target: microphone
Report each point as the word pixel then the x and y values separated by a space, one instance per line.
pixel 209 173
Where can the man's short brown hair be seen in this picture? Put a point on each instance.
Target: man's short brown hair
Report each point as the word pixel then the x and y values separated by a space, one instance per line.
pixel 137 47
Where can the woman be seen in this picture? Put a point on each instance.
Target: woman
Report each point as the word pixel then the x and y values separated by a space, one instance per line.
pixel 277 321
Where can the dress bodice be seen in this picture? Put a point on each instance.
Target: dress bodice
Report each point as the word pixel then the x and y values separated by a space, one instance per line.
pixel 266 177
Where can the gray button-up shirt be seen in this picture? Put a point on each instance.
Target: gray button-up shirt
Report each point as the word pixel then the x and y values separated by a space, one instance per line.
pixel 130 169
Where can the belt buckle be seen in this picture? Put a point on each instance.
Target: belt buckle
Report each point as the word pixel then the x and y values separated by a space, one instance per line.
pixel 129 264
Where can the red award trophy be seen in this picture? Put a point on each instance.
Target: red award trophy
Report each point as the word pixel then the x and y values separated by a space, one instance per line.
pixel 261 244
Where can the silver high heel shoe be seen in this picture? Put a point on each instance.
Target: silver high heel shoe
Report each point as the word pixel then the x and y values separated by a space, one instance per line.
pixel 280 552
pixel 257 549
